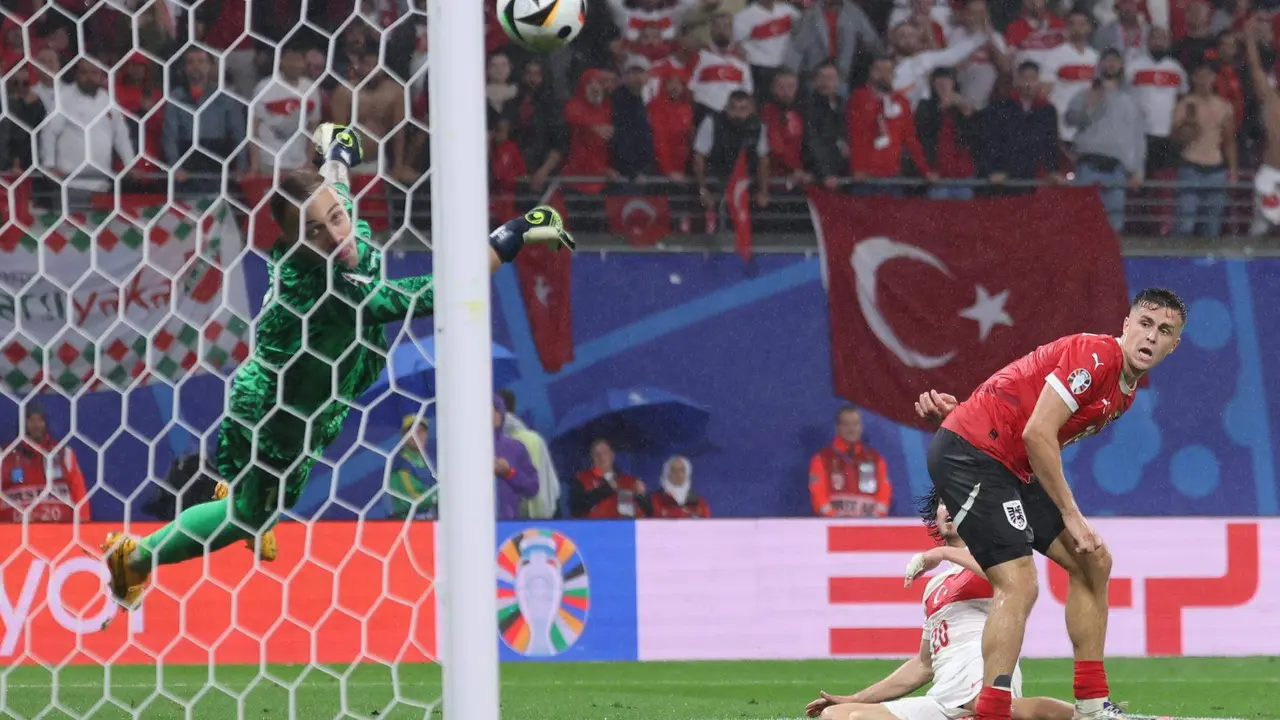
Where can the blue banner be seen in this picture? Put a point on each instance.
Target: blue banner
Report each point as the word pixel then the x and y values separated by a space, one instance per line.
pixel 567 591
pixel 751 343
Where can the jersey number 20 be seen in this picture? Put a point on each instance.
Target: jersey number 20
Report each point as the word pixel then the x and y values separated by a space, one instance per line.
pixel 938 637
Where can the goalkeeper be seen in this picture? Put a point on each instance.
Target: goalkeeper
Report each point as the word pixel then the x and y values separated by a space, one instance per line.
pixel 316 347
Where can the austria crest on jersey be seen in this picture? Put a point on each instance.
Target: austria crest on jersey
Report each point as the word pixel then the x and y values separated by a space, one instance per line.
pixel 1078 381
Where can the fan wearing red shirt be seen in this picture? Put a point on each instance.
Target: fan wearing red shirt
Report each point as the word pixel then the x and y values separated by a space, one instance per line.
pixel 671 117
pixel 848 478
pixel 589 115
pixel 41 479
pixel 881 126
pixel 1036 28
pixel 604 492
pixel 784 125
pixel 677 499
pixel 997 465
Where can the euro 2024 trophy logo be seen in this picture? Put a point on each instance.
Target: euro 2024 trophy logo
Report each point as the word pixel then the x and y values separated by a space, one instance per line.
pixel 543 593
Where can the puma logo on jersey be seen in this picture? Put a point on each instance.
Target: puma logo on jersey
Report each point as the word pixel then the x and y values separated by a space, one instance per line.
pixel 1096 362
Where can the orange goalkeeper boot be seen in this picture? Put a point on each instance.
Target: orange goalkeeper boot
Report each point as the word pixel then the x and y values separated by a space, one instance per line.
pixel 126 584
pixel 268 549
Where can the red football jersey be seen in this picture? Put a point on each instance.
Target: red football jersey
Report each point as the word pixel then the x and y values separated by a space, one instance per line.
pixel 1085 372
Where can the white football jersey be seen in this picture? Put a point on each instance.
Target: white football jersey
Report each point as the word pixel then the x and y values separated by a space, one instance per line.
pixel 956 605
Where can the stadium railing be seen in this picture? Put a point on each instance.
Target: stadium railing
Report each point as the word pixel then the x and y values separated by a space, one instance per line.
pixel 1151 211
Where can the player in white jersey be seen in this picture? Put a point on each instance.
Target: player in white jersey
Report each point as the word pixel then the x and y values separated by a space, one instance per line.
pixel 956 604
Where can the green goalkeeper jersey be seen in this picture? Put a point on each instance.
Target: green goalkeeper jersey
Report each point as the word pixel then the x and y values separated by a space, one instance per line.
pixel 319 342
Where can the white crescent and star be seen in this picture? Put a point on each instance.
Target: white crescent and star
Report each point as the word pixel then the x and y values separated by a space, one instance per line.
pixel 542 289
pixel 868 255
pixel 637 205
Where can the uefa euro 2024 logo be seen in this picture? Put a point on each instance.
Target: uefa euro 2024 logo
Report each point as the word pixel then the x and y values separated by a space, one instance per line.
pixel 543 593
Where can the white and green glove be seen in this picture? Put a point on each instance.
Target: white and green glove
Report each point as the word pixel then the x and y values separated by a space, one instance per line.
pixel 338 142
pixel 540 226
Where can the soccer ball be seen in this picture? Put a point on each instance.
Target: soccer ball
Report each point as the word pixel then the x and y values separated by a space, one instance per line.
pixel 542 25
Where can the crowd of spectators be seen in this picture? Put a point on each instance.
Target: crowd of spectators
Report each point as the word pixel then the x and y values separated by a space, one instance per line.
pixel 958 93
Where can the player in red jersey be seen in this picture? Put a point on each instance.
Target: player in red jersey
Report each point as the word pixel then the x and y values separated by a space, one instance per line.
pixel 997 465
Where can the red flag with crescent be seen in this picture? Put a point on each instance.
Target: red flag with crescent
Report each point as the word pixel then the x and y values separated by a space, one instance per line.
pixel 738 197
pixel 545 278
pixel 642 219
pixel 923 297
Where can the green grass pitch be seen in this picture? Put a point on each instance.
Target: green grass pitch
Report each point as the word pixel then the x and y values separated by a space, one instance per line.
pixel 1176 687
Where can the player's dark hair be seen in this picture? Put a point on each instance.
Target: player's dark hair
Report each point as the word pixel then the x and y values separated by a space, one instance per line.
pixel 846 408
pixel 1161 298
pixel 739 96
pixel 927 506
pixel 295 188
pixel 598 441
pixel 1028 65
pixel 508 399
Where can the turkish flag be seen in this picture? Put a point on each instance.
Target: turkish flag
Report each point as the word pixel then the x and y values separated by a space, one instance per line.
pixel 545 283
pixel 924 297
pixel 739 200
pixel 643 220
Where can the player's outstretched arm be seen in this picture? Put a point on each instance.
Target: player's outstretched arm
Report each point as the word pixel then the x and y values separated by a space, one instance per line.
pixel 923 562
pixel 540 226
pixel 395 298
pixel 339 149
pixel 909 677
pixel 1045 453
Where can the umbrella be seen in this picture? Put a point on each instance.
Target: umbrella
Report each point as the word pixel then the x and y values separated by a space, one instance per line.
pixel 412 364
pixel 643 418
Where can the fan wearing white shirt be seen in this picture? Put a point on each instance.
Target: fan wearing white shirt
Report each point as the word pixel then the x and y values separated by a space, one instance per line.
pixel 285 111
pixel 913 64
pixel 82 131
pixel 977 74
pixel 631 20
pixel 1068 69
pixel 719 72
pixel 1157 81
pixel 763 32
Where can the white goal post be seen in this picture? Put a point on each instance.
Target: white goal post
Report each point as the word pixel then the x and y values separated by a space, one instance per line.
pixel 467 577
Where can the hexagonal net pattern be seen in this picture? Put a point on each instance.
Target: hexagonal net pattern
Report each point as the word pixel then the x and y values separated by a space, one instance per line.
pixel 195 324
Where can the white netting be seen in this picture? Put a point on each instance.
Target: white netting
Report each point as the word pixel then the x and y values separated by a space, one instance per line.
pixel 142 142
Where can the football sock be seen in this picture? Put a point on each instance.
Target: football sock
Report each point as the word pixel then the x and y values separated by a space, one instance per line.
pixel 995 702
pixel 203 528
pixel 1090 685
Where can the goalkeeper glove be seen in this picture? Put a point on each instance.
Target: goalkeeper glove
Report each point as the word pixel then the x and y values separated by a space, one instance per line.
pixel 338 142
pixel 541 225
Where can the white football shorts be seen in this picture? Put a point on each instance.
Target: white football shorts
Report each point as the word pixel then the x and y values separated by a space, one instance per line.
pixel 924 708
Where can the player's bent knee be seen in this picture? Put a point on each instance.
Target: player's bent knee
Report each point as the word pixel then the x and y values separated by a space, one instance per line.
pixel 1093 568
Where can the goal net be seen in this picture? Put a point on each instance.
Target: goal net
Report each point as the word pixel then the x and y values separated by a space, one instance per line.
pixel 142 142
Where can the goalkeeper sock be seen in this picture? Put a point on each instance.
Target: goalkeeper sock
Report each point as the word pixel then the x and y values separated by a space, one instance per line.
pixel 198 530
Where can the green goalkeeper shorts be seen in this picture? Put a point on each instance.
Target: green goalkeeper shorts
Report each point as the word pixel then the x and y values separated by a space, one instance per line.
pixel 265 482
